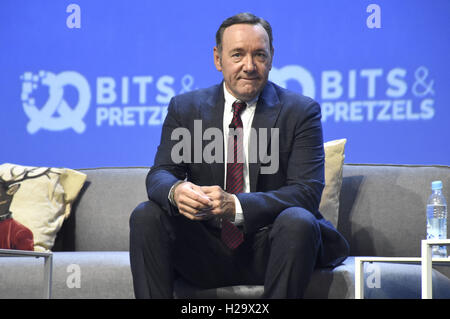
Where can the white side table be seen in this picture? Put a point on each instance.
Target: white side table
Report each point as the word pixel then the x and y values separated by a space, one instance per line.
pixel 426 261
pixel 48 265
pixel 427 264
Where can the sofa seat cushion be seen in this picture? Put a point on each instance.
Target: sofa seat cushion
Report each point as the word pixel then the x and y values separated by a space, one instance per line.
pixel 382 281
pixel 184 290
pixel 75 275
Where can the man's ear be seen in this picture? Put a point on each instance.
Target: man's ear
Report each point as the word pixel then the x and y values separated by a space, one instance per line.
pixel 217 59
pixel 12 189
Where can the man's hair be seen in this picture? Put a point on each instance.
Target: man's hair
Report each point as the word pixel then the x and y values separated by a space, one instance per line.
pixel 247 18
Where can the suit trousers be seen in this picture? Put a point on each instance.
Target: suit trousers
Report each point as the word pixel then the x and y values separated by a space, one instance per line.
pixel 281 257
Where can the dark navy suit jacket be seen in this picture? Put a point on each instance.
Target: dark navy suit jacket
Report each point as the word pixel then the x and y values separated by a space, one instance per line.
pixel 299 180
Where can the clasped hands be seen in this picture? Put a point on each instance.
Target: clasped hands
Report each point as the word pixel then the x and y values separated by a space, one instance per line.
pixel 204 202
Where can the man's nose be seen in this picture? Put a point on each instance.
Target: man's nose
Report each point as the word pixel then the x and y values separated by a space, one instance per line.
pixel 249 64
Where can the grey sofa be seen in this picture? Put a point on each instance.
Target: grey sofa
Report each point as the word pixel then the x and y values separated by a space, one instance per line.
pixel 382 213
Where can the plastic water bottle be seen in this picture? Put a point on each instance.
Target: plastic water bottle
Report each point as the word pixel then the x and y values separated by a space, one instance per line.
pixel 437 218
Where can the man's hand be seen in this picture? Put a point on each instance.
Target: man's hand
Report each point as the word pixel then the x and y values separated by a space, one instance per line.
pixel 192 202
pixel 223 204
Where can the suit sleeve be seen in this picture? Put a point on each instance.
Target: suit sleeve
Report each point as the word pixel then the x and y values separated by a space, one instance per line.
pixel 304 176
pixel 165 172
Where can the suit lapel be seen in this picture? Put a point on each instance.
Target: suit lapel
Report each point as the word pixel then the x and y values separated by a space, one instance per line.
pixel 266 114
pixel 212 114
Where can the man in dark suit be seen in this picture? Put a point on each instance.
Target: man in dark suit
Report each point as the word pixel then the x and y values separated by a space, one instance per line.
pixel 250 216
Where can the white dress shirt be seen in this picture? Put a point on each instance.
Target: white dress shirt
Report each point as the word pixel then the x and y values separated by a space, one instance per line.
pixel 247 118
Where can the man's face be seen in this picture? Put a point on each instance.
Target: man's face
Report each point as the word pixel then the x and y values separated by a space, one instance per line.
pixel 245 60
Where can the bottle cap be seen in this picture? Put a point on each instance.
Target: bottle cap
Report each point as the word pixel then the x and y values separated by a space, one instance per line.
pixel 436 185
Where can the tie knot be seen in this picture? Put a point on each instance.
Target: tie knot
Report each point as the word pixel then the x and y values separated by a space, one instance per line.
pixel 238 107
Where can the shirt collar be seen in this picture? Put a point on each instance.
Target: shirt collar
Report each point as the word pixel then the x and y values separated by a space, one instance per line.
pixel 230 99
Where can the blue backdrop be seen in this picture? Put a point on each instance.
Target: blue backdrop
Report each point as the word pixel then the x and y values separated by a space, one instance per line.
pixel 86 83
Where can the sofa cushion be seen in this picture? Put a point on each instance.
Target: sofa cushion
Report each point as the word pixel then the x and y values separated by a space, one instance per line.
pixel 383 207
pixel 184 290
pixel 102 211
pixel 334 161
pixel 43 200
pixel 103 274
pixel 381 281
pixel 75 275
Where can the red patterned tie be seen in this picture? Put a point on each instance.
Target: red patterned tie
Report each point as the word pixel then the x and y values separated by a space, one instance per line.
pixel 231 235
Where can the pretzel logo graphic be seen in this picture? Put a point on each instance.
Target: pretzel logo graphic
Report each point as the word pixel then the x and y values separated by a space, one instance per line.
pixel 56 114
pixel 296 73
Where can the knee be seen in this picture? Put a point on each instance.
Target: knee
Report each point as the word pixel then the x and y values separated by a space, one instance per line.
pixel 297 225
pixel 145 214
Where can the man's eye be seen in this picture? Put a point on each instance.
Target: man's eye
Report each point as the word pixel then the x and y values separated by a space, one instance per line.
pixel 236 55
pixel 261 55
